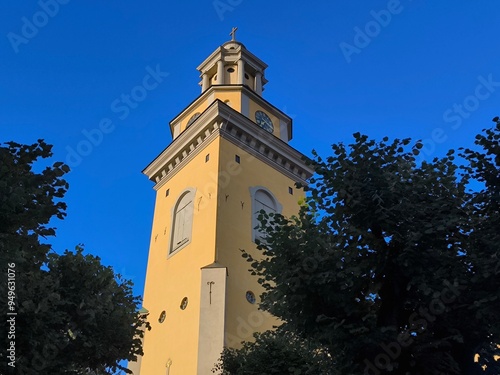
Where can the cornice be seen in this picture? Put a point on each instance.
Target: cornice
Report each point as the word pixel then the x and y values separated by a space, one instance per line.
pixel 239 52
pixel 211 60
pixel 220 119
pixel 203 96
pixel 183 148
pixel 267 148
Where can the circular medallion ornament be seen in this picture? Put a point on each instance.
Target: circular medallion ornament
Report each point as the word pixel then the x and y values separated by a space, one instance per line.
pixel 264 121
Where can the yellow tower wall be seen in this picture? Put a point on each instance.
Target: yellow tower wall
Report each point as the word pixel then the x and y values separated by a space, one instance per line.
pixel 234 232
pixel 170 278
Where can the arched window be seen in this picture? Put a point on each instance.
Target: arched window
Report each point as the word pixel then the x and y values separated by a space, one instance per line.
pixel 262 199
pixel 193 119
pixel 182 221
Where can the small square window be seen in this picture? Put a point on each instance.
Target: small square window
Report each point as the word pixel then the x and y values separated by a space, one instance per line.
pixel 237 158
pixel 207 158
pixel 167 193
pixel 290 190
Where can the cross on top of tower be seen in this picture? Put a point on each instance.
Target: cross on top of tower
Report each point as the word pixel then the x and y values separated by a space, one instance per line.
pixel 233 33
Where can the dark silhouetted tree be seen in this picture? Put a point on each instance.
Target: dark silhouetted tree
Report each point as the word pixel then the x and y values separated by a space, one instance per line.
pixel 391 266
pixel 74 315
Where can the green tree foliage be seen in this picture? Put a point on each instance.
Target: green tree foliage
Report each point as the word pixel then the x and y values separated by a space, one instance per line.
pixel 391 266
pixel 74 315
pixel 275 353
pixel 28 201
pixel 484 245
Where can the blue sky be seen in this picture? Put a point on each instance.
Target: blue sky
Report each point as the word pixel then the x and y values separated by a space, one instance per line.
pixel 409 68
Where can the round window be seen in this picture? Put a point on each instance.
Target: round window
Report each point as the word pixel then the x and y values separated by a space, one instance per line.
pixel 162 317
pixel 230 70
pixel 250 297
pixel 184 303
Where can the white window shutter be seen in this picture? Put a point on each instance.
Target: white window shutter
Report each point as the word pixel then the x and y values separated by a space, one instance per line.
pixel 262 201
pixel 182 221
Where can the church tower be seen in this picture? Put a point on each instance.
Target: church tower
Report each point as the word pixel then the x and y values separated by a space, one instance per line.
pixel 229 158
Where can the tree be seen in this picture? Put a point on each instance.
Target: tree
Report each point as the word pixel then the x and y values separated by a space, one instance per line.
pixel 391 266
pixel 28 201
pixel 275 352
pixel 483 244
pixel 74 315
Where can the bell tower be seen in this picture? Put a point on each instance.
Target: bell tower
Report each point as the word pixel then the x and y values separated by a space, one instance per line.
pixel 233 64
pixel 229 159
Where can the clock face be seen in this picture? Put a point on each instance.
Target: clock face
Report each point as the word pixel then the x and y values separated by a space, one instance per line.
pixel 264 121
